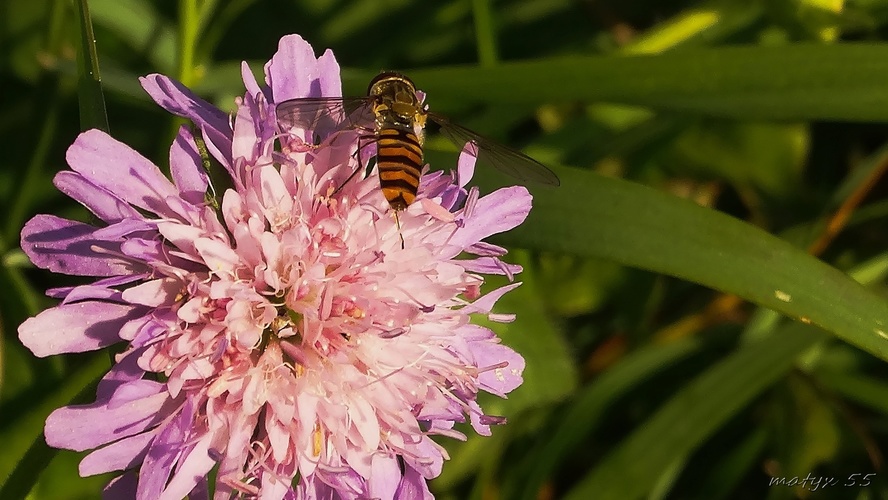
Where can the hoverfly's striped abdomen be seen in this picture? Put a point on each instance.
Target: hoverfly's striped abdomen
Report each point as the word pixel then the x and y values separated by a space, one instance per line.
pixel 399 160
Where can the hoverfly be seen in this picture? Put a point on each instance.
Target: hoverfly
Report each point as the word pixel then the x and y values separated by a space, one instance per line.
pixel 394 117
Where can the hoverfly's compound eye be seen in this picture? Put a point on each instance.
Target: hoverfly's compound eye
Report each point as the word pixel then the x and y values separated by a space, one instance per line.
pixel 388 75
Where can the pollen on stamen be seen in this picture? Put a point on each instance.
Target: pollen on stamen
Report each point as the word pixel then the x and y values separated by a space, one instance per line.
pixel 318 440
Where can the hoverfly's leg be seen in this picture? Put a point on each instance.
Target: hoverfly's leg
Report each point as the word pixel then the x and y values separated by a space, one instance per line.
pixel 400 234
pixel 371 137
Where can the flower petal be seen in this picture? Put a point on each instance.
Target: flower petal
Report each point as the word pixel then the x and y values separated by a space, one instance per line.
pixel 80 327
pixel 413 487
pixel 385 477
pixel 70 247
pixel 179 100
pixel 485 304
pixel 294 71
pixel 503 379
pixel 466 164
pixel 163 452
pixel 193 467
pixel 249 79
pixel 123 486
pixel 119 169
pixel 121 455
pixel 98 290
pixel 490 265
pixel 154 293
pixel 74 427
pixel 186 168
pixel 495 213
pixel 126 370
pixel 104 204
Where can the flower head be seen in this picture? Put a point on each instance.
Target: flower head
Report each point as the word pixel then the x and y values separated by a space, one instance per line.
pixel 280 331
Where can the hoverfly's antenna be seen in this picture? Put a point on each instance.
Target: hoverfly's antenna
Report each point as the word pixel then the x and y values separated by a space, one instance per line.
pixel 398 223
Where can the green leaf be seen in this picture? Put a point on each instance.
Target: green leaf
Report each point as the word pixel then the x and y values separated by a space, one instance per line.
pixel 865 172
pixel 767 156
pixel 807 427
pixel 89 81
pixel 582 416
pixel 25 453
pixel 867 391
pixel 734 466
pixel 792 82
pixel 640 227
pixel 485 32
pixel 140 25
pixel 694 414
pixel 576 285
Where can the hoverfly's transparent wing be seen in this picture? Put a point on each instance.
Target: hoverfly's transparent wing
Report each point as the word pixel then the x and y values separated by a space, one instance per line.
pixel 311 113
pixel 502 158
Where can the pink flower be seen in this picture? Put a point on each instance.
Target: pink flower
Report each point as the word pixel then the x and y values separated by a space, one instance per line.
pixel 282 334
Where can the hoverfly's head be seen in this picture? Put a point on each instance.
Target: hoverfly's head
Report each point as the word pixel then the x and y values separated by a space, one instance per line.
pixel 395 93
pixel 387 79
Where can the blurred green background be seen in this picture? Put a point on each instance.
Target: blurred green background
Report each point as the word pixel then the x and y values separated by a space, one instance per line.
pixel 682 340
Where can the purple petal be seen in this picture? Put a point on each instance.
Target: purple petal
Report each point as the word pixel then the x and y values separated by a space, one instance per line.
pixel 503 379
pixel 485 249
pixel 69 247
pixel 432 461
pixel 154 293
pixel 186 167
pixel 433 184
pixel 130 330
pixel 146 332
pixel 465 166
pixel 119 169
pixel 105 205
pixel 328 75
pixel 273 488
pixel 159 255
pixel 124 371
pixel 98 290
pixel 347 483
pixel 80 327
pixel 294 71
pixel 250 82
pixel 122 229
pixel 453 197
pixel 499 211
pixel 134 391
pixel 121 455
pixel 201 490
pixel 473 333
pixel 85 292
pixel 385 476
pixel 74 427
pixel 485 304
pixel 413 487
pixel 475 417
pixel 490 265
pixel 193 467
pixel 219 147
pixel 248 131
pixel 164 451
pixel 179 100
pixel 123 486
